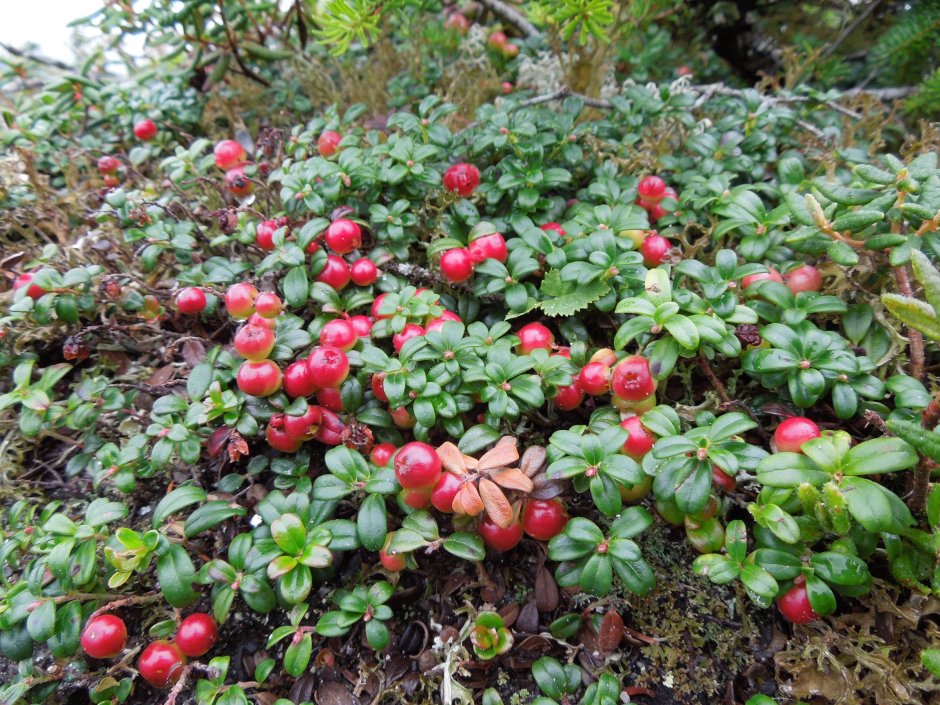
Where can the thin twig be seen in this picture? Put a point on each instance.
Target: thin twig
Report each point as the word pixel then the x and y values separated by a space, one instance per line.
pixel 851 27
pixel 512 16
pixel 713 378
pixel 914 337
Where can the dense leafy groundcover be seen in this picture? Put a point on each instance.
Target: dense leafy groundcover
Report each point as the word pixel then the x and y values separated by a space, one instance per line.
pixel 299 381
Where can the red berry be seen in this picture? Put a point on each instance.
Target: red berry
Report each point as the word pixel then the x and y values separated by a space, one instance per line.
pixel 328 142
pixel 228 154
pixel 457 23
pixel 363 272
pixel 197 634
pixel 640 441
pixel 723 480
pixel 237 182
pixel 492 246
pixel 456 265
pixel 331 428
pixel 771 274
pixel 554 227
pixel 312 247
pixel 305 426
pixel 108 164
pixel 506 88
pixel 104 636
pixel 111 181
pixel 401 417
pixel 534 336
pixel 382 453
pixel 497 40
pixel 417 499
pixel 656 212
pixel 258 320
pixel 33 291
pixel 259 379
pixel 362 325
pixel 438 323
pixel 511 51
pixel 411 330
pixel 161 664
pixel 331 398
pixel 671 193
pixel 417 466
pixel 445 489
pixel 794 605
pixel 343 236
pixel 804 278
pixel 651 189
pixel 376 304
pixel 378 386
pixel 462 179
pixel 327 366
pixel 606 356
pixel 279 439
pixel 268 305
pixel 191 300
pixel 595 378
pixel 569 397
pixel 793 433
pixel 654 249
pixel 632 380
pixel 339 333
pixel 264 234
pixel 497 537
pixel 297 382
pixel 254 343
pixel 335 273
pixel 145 130
pixel 543 519
pixel 391 562
pixel 240 300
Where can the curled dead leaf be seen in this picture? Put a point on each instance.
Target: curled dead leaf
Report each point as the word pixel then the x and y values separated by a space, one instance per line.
pixel 497 506
pixel 452 459
pixel 502 455
pixel 533 460
pixel 512 479
pixel 468 501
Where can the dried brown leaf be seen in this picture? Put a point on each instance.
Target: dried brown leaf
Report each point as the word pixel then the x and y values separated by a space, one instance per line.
pixel 512 479
pixel 497 506
pixel 452 459
pixel 533 460
pixel 528 620
pixel 610 632
pixel 546 591
pixel 502 455
pixel 468 501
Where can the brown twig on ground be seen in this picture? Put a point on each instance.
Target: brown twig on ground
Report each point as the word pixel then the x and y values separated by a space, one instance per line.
pixel 713 378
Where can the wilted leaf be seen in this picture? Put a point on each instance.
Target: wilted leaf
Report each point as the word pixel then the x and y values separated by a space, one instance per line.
pixel 497 506
pixel 468 501
pixel 512 479
pixel 452 459
pixel 502 455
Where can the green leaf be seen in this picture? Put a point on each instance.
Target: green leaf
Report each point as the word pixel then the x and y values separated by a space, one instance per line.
pixel 736 540
pixel 465 545
pixel 879 455
pixel 717 568
pixel 867 504
pixel 289 533
pixel 372 522
pixel 179 498
pixel 926 441
pixel 296 287
pixel 297 655
pixel 917 314
pixel 210 515
pixel 759 581
pixel 568 304
pixel 476 438
pixel 176 575
pixel 296 584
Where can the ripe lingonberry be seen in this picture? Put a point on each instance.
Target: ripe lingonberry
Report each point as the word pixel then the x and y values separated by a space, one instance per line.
pixel 297 382
pixel 108 164
pixel 33 291
pixel 438 323
pixel 228 154
pixel 771 274
pixel 264 234
pixel 240 300
pixel 497 40
pixel 594 378
pixel 391 562
pixel 257 320
pixel 492 246
pixel 331 428
pixel 330 398
pixel 343 236
pixel 402 417
pixel 259 379
pixel 640 441
pixel 795 607
pixel 417 466
pixel 456 265
pixel 327 366
pixel 804 278
pixel 553 227
pixel 417 499
pixel 457 22
pixel 569 397
pixel 382 453
pixel 543 519
pixel 254 343
pixel 191 300
pixel 268 305
pixel 654 249
pixel 792 433
pixel 145 130
pixel 335 273
pixel 651 189
pixel 632 380
pixel 534 336
pixel 411 330
pixel 511 51
pixel 278 438
pixel 445 489
pixel 327 142
pixel 197 634
pixel 723 480
pixel 497 537
pixel 363 272
pixel 377 383
pixel 376 305
pixel 161 664
pixel 104 636
pixel 339 333
pixel 362 325
pixel 306 425
pixel 462 179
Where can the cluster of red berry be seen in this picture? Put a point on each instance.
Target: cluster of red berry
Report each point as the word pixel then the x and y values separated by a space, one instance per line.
pixel 161 663
pixel 651 191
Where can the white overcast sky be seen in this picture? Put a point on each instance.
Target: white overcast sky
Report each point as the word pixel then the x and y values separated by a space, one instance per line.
pixel 44 23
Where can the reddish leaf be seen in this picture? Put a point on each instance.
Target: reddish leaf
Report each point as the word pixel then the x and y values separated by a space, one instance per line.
pixel 610 632
pixel 497 506
pixel 512 479
pixel 452 459
pixel 502 455
pixel 467 500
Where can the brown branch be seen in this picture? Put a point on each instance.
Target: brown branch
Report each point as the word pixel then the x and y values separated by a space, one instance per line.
pixel 233 45
pixel 512 16
pixel 914 337
pixel 713 378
